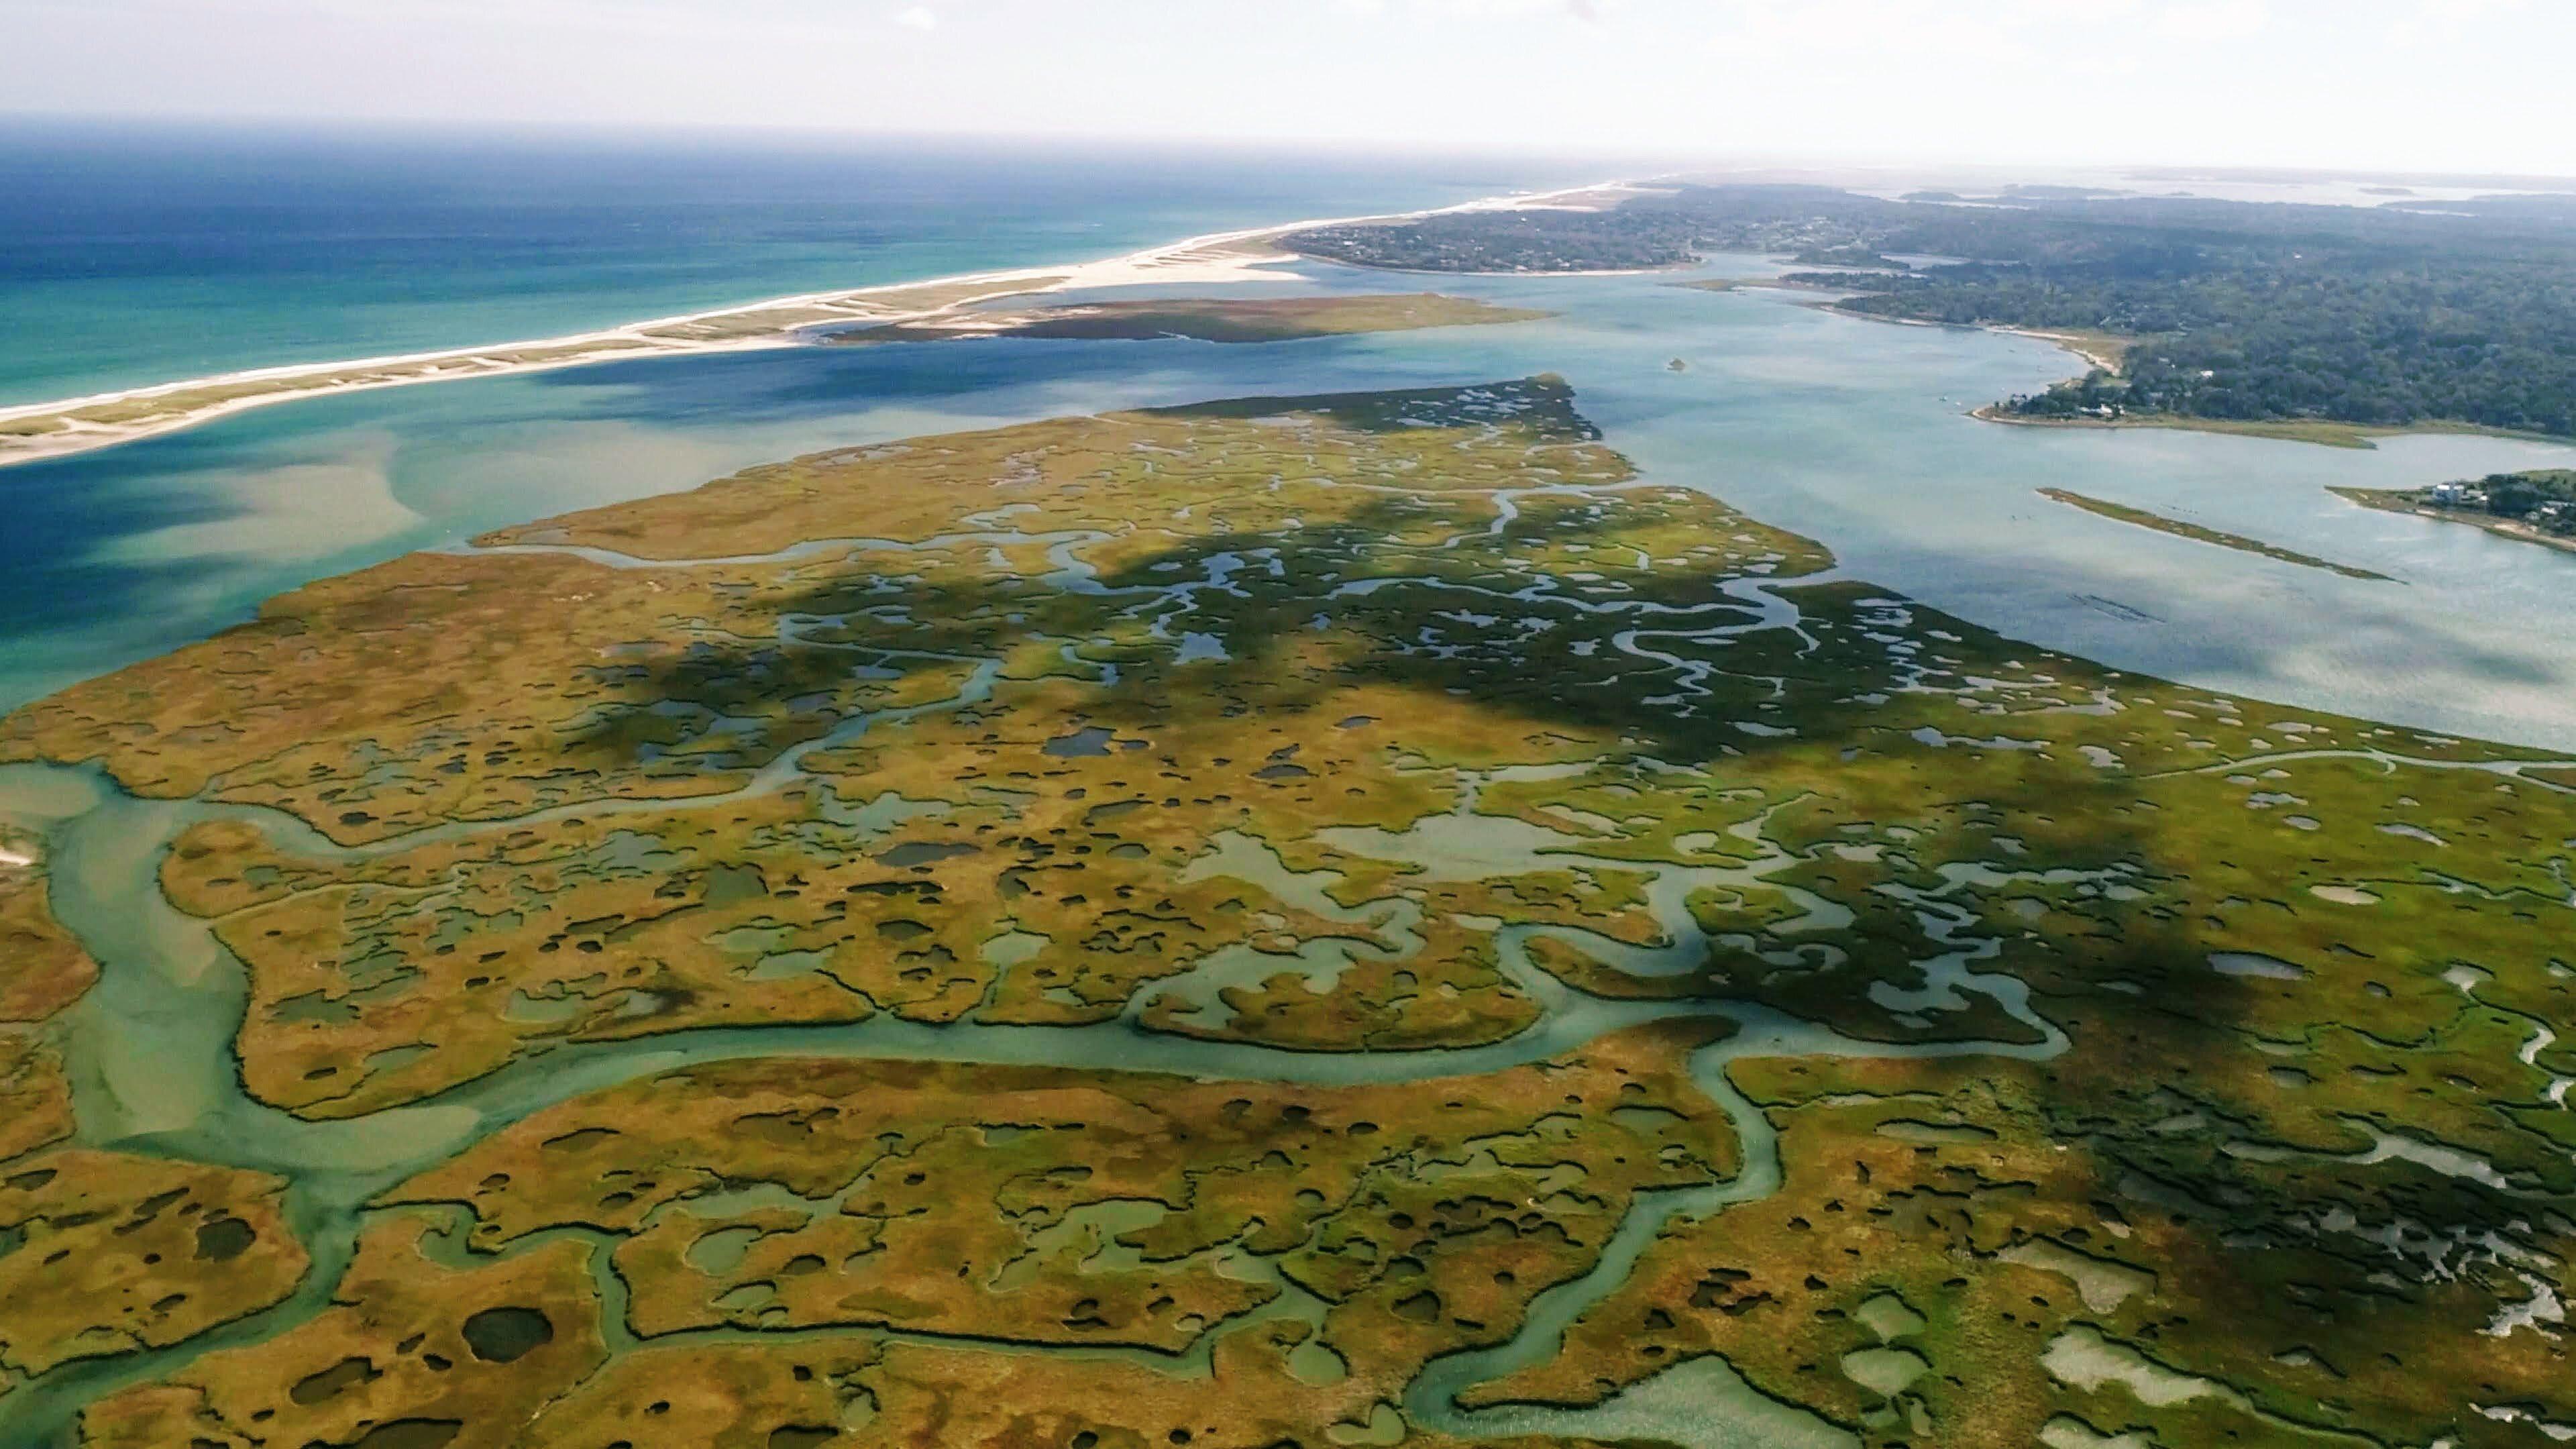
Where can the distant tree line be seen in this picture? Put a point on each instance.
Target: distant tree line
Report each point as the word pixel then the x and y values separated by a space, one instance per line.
pixel 1510 241
pixel 2518 495
pixel 2243 311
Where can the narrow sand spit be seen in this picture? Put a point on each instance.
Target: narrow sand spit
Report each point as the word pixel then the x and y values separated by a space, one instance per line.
pixel 32 431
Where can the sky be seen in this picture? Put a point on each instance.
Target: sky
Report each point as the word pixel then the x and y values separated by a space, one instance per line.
pixel 2419 85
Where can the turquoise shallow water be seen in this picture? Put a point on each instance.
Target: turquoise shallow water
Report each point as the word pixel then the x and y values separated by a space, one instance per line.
pixel 133 255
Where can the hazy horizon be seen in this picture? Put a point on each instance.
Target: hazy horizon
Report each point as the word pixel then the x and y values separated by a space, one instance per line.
pixel 2449 87
pixel 2145 177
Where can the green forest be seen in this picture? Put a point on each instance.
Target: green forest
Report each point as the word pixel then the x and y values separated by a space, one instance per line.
pixel 2544 498
pixel 2381 316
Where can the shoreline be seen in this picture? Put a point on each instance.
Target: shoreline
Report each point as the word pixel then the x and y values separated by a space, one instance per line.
pixel 67 427
pixel 2112 350
pixel 2325 432
pixel 2105 350
pixel 2402 503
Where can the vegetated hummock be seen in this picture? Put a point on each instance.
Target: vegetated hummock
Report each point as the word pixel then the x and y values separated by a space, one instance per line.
pixel 1205 319
pixel 2536 506
pixel 1214 910
pixel 2201 533
pixel 104 1252
pixel 2240 313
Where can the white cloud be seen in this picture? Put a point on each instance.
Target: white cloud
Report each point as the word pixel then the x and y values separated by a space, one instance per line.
pixel 2214 19
pixel 1477 9
pixel 2448 20
pixel 2460 12
pixel 2423 85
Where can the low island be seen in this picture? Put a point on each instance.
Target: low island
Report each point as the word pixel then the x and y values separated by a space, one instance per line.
pixel 2201 533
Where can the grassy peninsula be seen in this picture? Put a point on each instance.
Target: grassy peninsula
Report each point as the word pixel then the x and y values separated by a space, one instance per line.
pixel 2535 506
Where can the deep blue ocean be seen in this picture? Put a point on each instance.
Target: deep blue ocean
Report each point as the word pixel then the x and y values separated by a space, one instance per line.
pixel 132 255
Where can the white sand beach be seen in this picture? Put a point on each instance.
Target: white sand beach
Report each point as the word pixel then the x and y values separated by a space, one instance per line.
pixel 33 431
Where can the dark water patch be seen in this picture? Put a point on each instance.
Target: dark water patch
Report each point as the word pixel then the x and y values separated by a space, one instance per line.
pixel 1420 1308
pixel 1082 743
pixel 505 1335
pixel 151 1207
pixel 312 1007
pixel 410 1434
pixel 347 1374
pixel 220 1240
pixel 727 884
pixel 923 852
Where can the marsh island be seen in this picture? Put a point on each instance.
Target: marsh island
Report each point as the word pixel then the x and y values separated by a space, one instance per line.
pixel 1330 920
